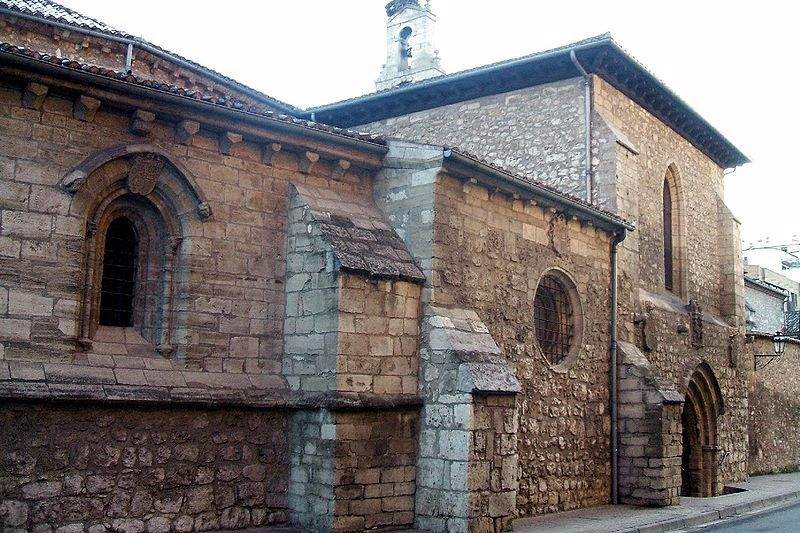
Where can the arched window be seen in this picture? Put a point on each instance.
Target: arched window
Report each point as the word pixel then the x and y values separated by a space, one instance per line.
pixel 668 226
pixel 119 274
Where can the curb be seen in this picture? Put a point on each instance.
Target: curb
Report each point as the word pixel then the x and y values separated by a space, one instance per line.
pixel 779 500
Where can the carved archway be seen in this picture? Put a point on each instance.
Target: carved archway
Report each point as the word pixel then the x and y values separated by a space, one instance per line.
pixel 703 406
pixel 160 199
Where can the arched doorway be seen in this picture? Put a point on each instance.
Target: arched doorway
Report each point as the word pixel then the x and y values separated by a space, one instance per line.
pixel 701 409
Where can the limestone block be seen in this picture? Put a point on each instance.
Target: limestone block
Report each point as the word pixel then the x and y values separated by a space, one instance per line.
pixel 15 329
pixel 28 225
pixel 227 141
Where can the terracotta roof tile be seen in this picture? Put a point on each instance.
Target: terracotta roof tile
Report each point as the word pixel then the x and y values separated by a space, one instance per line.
pixel 52 11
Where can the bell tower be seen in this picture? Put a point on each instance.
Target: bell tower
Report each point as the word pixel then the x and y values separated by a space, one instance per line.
pixel 410 52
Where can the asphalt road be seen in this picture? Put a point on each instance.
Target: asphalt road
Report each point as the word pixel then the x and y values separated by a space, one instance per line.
pixel 781 520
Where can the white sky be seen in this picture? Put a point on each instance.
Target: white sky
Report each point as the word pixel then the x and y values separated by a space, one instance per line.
pixel 735 62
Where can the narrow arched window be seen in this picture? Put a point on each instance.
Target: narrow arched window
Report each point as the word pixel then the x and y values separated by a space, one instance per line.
pixel 669 256
pixel 119 274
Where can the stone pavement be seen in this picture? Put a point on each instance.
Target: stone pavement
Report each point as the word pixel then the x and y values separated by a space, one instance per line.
pixel 761 492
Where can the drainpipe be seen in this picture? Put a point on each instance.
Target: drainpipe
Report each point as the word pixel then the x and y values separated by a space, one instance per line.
pixel 587 118
pixel 129 59
pixel 618 238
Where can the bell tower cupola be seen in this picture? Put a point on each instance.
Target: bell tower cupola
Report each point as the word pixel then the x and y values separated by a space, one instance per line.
pixel 410 51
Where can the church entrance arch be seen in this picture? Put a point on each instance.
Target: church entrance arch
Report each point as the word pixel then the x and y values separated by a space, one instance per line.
pixel 703 405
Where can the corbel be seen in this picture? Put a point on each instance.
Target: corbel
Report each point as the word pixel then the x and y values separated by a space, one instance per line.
pixel 185 130
pixel 308 161
pixel 269 151
pixel 33 96
pixel 468 183
pixel 341 168
pixel 227 140
pixel 495 194
pixel 142 122
pixel 85 107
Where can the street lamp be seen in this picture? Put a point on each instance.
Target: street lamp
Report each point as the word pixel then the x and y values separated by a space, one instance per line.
pixel 778 346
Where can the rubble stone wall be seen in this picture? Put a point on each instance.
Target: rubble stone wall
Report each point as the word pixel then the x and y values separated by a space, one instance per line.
pixel 774 409
pixel 537 132
pixel 709 262
pixel 490 251
pixel 131 469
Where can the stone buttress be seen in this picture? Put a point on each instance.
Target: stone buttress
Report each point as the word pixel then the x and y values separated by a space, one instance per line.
pixel 351 335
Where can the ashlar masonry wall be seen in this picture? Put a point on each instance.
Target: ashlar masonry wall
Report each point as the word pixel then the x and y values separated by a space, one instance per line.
pixel 774 408
pixel 228 335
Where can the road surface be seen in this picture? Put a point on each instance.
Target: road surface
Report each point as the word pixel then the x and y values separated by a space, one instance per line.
pixel 781 520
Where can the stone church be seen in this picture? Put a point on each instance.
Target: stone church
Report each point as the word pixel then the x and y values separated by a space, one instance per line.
pixel 459 300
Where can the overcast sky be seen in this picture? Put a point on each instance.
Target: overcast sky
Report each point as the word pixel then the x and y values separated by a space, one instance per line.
pixel 735 62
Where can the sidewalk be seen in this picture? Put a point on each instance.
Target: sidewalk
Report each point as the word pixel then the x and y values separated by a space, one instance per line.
pixel 761 492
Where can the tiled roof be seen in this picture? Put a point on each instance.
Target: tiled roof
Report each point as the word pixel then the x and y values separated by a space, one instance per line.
pixel 54 12
pixel 361 239
pixel 237 105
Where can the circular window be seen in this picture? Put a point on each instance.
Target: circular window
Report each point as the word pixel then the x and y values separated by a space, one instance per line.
pixel 556 316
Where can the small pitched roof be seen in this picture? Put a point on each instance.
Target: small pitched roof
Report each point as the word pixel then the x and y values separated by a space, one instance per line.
pixel 599 55
pixel 51 12
pixel 361 239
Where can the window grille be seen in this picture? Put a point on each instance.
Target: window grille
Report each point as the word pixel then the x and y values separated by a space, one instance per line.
pixel 554 319
pixel 119 274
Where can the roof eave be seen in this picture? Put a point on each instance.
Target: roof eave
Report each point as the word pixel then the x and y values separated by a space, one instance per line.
pixel 727 157
pixel 507 181
pixel 376 148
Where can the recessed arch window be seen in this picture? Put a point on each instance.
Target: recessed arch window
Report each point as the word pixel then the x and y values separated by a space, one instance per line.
pixel 557 318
